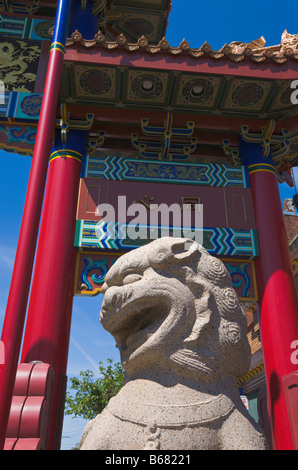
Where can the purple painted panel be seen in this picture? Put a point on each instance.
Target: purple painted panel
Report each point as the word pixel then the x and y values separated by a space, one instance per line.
pixel 222 207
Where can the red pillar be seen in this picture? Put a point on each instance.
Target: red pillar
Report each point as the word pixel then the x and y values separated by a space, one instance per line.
pixel 47 330
pixel 20 283
pixel 276 289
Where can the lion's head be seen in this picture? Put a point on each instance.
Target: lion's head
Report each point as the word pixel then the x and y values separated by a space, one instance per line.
pixel 171 303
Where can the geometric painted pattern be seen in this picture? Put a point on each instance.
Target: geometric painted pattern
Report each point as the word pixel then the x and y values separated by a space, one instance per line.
pixel 206 174
pixel 100 235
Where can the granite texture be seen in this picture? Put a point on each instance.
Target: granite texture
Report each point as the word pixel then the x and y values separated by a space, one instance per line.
pixel 181 333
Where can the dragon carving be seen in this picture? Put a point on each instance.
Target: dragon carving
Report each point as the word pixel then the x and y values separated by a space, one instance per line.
pixel 17 58
pixel 181 333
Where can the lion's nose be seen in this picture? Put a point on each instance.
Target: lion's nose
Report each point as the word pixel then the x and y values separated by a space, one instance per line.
pixel 112 295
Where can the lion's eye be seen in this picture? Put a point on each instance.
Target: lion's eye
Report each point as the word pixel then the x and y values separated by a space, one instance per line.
pixel 131 278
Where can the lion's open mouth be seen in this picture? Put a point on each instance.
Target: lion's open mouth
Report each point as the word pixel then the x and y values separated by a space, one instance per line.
pixel 139 327
pixel 133 322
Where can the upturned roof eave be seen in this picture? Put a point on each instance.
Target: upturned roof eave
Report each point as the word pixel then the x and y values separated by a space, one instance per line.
pixel 274 62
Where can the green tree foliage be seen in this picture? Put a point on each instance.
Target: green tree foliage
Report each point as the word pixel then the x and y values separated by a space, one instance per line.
pixel 87 395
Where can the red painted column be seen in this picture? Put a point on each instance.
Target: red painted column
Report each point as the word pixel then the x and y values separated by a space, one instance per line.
pixel 20 283
pixel 276 289
pixel 49 313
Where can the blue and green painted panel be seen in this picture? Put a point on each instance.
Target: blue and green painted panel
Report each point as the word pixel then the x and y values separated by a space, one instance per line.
pixel 21 105
pixel 206 174
pixel 25 28
pixel 223 242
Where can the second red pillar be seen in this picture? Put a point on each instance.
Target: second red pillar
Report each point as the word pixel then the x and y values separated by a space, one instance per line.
pixel 48 323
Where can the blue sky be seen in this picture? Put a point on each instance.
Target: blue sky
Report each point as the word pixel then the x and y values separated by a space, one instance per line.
pixel 217 23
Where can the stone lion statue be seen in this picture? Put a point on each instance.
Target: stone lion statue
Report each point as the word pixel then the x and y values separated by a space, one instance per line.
pixel 181 333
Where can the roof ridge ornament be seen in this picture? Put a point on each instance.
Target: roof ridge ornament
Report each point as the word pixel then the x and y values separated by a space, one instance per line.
pixel 289 40
pixel 121 40
pixel 76 36
pixel 239 46
pixel 184 45
pixel 143 42
pixel 164 44
pixel 235 51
